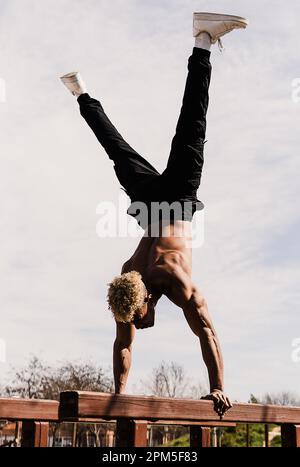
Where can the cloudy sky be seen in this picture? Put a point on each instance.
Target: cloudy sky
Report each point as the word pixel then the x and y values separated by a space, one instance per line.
pixel 133 55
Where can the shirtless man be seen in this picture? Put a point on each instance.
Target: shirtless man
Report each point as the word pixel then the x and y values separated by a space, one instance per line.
pixel 162 262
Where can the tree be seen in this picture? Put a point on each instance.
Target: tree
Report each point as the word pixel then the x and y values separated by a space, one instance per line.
pixel 236 437
pixel 37 380
pixel 29 381
pixel 170 380
pixel 253 399
pixel 281 398
pixel 78 377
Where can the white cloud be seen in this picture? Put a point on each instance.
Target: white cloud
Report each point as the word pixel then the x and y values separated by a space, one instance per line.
pixel 133 56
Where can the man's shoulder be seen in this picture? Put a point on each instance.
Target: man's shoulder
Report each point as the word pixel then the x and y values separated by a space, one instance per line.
pixel 127 266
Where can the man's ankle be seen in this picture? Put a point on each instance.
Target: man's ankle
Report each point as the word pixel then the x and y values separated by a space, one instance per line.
pixel 203 41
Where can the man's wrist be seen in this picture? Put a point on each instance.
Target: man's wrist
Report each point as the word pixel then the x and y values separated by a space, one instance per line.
pixel 120 390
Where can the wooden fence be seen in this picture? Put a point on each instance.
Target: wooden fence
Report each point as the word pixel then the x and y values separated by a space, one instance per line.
pixel 133 415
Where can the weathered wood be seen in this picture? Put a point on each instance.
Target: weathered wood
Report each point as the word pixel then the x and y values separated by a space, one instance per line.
pixel 28 409
pixel 35 434
pixel 214 437
pixel 75 406
pixel 199 437
pixel 290 436
pixel 190 423
pixel 131 433
pixel 187 423
pixel 18 434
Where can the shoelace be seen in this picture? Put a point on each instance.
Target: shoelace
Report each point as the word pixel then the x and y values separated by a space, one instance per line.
pixel 220 45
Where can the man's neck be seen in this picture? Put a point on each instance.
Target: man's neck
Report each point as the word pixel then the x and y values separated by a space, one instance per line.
pixel 152 289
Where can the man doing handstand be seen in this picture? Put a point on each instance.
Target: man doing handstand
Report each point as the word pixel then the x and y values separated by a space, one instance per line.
pixel 162 262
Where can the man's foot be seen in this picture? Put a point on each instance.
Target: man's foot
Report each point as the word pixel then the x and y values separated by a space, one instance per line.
pixel 216 25
pixel 221 402
pixel 74 83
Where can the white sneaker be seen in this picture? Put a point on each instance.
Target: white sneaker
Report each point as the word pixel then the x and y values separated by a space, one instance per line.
pixel 74 83
pixel 217 25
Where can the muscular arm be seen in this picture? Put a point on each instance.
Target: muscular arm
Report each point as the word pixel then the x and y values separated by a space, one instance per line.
pixel 184 294
pixel 122 355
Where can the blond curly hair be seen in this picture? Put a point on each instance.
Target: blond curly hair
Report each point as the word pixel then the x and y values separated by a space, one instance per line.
pixel 126 294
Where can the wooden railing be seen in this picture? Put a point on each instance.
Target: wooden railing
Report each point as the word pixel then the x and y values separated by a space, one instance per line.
pixel 35 416
pixel 134 414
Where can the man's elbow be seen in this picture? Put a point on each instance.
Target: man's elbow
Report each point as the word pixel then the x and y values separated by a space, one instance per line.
pixel 196 303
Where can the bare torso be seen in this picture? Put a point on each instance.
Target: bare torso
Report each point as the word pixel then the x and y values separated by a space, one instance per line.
pixel 157 256
pixel 165 263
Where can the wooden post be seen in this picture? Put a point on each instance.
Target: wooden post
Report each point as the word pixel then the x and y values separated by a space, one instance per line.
pixel 199 436
pixel 214 438
pixel 150 436
pixel 219 438
pixel 266 436
pixel 131 433
pixel 18 434
pixel 74 435
pixel 290 436
pixel 248 444
pixel 35 434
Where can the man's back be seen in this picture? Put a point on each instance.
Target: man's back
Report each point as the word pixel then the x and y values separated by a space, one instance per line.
pixel 156 257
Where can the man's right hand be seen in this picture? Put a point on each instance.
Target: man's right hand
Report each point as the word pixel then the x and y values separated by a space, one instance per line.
pixel 221 402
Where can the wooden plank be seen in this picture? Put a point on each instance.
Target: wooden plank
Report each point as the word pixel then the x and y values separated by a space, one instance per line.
pixel 290 436
pixel 199 437
pixel 131 433
pixel 190 423
pixel 157 422
pixel 28 409
pixel 81 405
pixel 35 434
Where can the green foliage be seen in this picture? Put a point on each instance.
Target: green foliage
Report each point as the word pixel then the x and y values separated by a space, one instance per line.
pixel 183 441
pixel 253 399
pixel 276 442
pixel 236 437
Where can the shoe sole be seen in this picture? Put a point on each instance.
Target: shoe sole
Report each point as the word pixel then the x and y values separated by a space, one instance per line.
pixel 220 17
pixel 69 75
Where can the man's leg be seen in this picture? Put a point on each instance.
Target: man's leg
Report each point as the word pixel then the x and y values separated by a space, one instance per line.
pixel 185 163
pixel 130 167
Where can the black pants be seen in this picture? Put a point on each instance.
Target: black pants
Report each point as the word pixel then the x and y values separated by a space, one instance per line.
pixel 181 178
